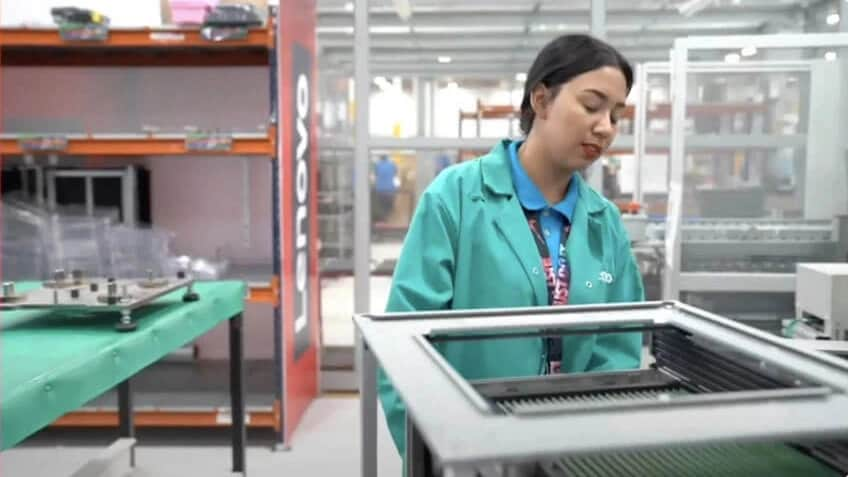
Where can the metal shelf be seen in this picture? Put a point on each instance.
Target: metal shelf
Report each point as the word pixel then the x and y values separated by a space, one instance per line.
pixel 737 282
pixel 263 285
pixel 623 143
pixel 730 141
pixel 243 144
pixel 192 394
pixel 134 47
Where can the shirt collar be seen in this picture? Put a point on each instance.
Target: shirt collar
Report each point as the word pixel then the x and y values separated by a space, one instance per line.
pixel 530 196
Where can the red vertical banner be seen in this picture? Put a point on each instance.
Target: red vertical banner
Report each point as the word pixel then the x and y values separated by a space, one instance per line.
pixel 298 163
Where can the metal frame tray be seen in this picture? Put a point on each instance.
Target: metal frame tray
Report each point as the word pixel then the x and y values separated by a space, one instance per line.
pixel 461 430
pixel 97 295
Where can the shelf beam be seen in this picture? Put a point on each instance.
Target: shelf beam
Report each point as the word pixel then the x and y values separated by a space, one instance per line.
pixel 133 47
pixel 267 293
pixel 142 145
pixel 265 418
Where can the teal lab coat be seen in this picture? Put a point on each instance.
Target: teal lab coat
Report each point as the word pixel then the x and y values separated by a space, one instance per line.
pixel 469 246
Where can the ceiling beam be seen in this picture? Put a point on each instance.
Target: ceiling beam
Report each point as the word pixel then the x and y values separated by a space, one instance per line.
pixel 554 18
pixel 471 58
pixel 488 42
pixel 503 66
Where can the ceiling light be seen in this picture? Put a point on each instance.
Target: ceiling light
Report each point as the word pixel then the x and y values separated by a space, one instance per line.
pixel 444 59
pixel 521 77
pixel 732 58
pixel 403 9
pixel 749 51
pixel 832 19
pixel 692 7
pixel 830 56
pixel 348 6
pixel 453 85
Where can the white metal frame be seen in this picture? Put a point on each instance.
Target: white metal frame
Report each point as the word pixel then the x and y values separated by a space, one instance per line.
pixel 453 418
pixel 679 70
pixel 642 140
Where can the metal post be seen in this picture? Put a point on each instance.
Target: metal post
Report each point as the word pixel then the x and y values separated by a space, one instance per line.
pixel 423 159
pixel 128 191
pixel 51 190
pixel 599 30
pixel 89 196
pixel 431 108
pixel 25 185
pixel 599 18
pixel 245 202
pixel 671 276
pixel 362 211
pixel 842 58
pixel 239 433
pixel 367 408
pixel 640 130
pixel 421 104
pixel 39 185
pixel 822 195
pixel 362 238
pixel 126 424
pixel 418 462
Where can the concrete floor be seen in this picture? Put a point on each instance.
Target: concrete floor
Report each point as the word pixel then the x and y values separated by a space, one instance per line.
pixel 337 298
pixel 325 444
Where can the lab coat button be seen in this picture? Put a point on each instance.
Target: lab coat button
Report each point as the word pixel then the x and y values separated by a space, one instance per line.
pixel 535 271
pixel 588 284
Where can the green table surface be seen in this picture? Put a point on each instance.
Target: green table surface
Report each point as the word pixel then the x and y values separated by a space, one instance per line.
pixel 54 362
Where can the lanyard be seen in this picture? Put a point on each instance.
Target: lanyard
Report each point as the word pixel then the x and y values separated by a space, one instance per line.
pixel 557 280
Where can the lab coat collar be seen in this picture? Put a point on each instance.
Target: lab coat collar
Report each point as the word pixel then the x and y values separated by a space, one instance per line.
pixel 497 178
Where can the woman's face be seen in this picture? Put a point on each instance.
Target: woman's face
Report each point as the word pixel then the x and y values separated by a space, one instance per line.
pixel 580 122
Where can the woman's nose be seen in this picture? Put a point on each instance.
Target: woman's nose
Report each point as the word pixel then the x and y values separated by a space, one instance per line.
pixel 604 127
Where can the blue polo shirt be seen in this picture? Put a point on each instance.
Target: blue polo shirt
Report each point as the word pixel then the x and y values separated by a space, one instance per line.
pixel 552 218
pixel 385 172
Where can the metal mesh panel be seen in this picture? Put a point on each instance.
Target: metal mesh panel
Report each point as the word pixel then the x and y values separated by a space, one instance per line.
pixel 771 460
pixel 509 406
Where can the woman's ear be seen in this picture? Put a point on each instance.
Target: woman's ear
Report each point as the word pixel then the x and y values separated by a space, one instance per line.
pixel 540 101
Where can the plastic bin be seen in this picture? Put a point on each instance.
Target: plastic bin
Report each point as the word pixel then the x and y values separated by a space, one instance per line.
pixel 190 12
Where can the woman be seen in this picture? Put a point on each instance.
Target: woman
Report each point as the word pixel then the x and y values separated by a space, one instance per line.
pixel 519 227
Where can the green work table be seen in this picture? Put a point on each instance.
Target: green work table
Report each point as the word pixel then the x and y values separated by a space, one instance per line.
pixel 55 362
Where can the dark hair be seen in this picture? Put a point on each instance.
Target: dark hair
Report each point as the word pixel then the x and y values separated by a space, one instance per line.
pixel 564 58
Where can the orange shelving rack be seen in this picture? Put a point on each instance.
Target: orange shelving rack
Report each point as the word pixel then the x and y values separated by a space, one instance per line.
pixel 295 363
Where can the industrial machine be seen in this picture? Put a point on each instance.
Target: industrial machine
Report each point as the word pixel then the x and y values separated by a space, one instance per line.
pixel 76 292
pixel 713 397
pixel 821 300
pixel 752 245
pixel 744 268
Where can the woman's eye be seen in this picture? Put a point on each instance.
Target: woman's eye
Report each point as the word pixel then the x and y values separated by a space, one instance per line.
pixel 591 108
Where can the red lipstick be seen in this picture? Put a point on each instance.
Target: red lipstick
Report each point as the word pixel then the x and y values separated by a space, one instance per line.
pixel 591 151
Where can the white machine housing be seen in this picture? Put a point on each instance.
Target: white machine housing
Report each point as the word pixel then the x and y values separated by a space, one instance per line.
pixel 821 298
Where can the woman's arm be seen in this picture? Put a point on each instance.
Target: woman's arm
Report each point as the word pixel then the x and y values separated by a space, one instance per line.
pixel 423 280
pixel 620 351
